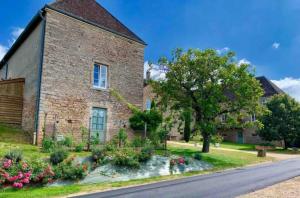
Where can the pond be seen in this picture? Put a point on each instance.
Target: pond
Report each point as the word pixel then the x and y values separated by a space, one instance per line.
pixel 157 166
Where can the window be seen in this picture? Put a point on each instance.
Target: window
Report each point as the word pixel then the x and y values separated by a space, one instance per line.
pixel 100 76
pixel 253 118
pixel 223 118
pixel 148 104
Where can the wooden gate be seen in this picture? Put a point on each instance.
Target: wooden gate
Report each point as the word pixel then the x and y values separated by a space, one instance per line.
pixel 11 101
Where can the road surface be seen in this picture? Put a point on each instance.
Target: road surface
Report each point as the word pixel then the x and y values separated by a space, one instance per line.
pixel 225 184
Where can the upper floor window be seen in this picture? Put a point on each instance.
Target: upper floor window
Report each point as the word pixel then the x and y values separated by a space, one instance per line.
pixel 253 118
pixel 100 76
pixel 148 104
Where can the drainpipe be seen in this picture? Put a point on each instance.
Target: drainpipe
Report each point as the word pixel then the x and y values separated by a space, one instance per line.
pixel 40 71
pixel 6 71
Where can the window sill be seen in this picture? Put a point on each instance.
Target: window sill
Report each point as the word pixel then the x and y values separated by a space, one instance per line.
pixel 100 89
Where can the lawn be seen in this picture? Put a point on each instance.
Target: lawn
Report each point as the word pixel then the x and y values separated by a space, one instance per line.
pixel 219 158
pixel 13 134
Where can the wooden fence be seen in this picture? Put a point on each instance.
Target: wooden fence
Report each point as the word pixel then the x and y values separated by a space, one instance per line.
pixel 11 101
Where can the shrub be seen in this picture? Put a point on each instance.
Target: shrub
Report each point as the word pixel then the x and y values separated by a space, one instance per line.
pixel 95 139
pixel 98 154
pixel 70 171
pixel 14 155
pixel 126 157
pixel 217 139
pixel 68 142
pixel 145 154
pixel 122 137
pixel 137 142
pixel 48 145
pixel 58 156
pixel 79 148
pixel 197 156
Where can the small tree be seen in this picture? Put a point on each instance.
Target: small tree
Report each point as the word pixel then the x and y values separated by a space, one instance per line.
pixel 212 85
pixel 282 123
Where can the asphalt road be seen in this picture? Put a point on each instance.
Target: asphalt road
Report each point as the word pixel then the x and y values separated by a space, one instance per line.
pixel 225 184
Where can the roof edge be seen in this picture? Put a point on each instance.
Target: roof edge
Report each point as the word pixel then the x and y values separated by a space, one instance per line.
pixel 96 25
pixel 23 36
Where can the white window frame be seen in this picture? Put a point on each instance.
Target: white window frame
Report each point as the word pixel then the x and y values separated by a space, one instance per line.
pixel 148 101
pixel 253 117
pixel 99 76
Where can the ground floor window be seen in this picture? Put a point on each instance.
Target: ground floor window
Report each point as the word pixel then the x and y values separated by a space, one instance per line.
pixel 99 123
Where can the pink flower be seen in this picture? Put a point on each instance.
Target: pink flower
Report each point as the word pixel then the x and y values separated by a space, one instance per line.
pixel 7 164
pixel 25 181
pixel 181 161
pixel 5 175
pixel 24 165
pixel 20 175
pixel 28 174
pixel 18 185
pixel 12 179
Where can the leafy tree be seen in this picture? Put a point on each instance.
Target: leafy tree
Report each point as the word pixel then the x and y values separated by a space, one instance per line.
pixel 282 123
pixel 212 85
pixel 187 118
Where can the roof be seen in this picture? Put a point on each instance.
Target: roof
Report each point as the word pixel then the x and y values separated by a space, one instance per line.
pixel 269 87
pixel 92 12
pixel 88 11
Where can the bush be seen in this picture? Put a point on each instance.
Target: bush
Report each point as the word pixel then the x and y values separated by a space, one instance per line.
pixel 14 155
pixel 127 158
pixel 70 171
pixel 58 156
pixel 137 142
pixel 79 147
pixel 68 142
pixel 122 137
pixel 197 156
pixel 98 154
pixel 217 139
pixel 145 154
pixel 48 145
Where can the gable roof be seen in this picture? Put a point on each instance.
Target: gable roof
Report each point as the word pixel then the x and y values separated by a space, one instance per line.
pixel 92 12
pixel 269 87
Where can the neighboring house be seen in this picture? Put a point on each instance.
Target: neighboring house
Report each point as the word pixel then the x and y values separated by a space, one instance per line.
pixel 233 135
pixel 71 55
pixel 250 135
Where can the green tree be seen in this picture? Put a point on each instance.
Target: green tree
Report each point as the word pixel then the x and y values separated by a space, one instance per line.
pixel 212 85
pixel 282 123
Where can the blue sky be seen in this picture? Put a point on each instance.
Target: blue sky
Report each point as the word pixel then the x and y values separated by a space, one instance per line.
pixel 265 33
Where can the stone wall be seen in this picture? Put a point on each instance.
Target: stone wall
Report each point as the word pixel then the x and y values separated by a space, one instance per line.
pixel 72 48
pixel 24 64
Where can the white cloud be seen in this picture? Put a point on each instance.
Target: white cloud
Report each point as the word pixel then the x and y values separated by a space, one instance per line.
pixel 157 72
pixel 16 31
pixel 289 85
pixel 15 34
pixel 275 45
pixel 3 51
pixel 244 61
pixel 223 50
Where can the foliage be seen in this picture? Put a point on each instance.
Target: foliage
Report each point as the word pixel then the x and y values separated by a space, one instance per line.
pixel 79 147
pixel 17 174
pixel 58 155
pixel 217 139
pixel 95 139
pixel 68 170
pixel 122 137
pixel 212 85
pixel 187 117
pixel 126 157
pixel 98 154
pixel 48 144
pixel 14 155
pixel 68 142
pixel 197 156
pixel 137 142
pixel 283 121
pixel 145 154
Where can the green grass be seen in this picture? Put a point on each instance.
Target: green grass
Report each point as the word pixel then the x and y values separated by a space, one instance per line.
pixel 230 145
pixel 13 134
pixel 220 159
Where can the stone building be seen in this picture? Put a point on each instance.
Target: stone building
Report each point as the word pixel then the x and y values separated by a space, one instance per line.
pixel 73 56
pixel 233 135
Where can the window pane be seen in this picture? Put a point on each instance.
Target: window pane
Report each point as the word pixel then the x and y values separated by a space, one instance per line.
pixel 96 75
pixel 148 104
pixel 103 77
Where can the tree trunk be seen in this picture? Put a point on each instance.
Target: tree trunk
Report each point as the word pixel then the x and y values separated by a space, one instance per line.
pixel 285 144
pixel 206 143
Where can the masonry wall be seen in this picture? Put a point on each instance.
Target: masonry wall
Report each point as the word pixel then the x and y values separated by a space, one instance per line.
pixel 67 95
pixel 24 64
